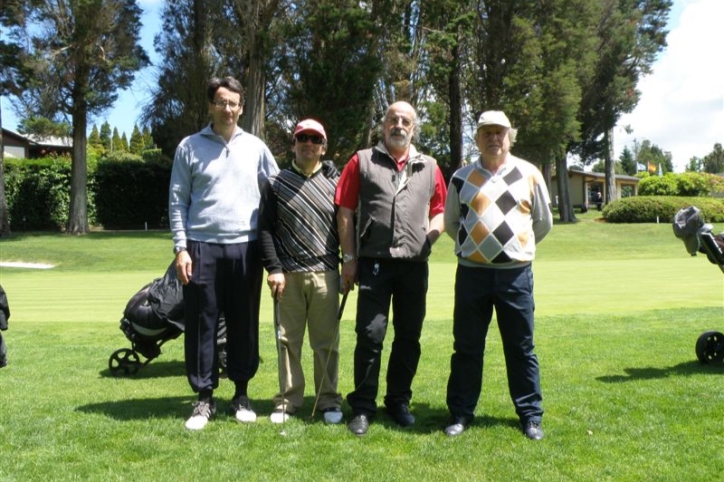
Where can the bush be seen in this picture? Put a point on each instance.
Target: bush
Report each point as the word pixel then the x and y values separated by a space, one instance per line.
pixel 132 194
pixel 658 186
pixel 650 209
pixel 683 184
pixel 37 193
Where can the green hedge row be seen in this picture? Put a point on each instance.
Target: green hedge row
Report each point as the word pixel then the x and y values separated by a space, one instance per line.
pixel 650 209
pixel 124 192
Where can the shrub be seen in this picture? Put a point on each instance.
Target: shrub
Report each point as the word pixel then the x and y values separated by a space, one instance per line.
pixel 132 194
pixel 658 186
pixel 650 209
pixel 37 193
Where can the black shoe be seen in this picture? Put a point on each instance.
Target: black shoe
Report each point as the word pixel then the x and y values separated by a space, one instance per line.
pixel 533 430
pixel 401 414
pixel 456 425
pixel 359 425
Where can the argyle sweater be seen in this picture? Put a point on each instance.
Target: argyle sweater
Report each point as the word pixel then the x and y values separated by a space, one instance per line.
pixel 497 219
pixel 297 223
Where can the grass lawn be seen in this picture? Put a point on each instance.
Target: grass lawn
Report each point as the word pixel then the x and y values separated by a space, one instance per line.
pixel 619 309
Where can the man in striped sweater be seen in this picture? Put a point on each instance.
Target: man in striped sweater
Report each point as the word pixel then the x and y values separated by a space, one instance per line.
pixel 497 210
pixel 300 247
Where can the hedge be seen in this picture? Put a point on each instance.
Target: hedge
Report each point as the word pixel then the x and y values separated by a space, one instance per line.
pixel 124 192
pixel 650 209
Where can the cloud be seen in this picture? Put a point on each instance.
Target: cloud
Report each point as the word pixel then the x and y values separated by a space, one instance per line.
pixel 682 102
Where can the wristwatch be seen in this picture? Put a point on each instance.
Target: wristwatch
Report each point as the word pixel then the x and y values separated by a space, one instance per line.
pixel 178 249
pixel 348 257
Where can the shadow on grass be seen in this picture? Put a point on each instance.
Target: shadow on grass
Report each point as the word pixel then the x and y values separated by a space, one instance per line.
pixel 651 373
pixel 141 408
pixel 154 369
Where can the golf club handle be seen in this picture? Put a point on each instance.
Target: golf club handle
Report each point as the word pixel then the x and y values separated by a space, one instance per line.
pixel 341 306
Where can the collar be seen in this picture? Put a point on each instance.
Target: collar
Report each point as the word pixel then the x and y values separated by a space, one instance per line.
pixel 298 169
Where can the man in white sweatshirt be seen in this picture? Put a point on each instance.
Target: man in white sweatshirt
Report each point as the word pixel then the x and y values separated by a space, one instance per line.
pixel 213 202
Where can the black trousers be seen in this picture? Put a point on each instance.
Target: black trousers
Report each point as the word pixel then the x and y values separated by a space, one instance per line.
pixel 226 279
pixel 381 283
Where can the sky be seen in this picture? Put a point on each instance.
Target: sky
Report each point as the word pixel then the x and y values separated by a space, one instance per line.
pixel 681 108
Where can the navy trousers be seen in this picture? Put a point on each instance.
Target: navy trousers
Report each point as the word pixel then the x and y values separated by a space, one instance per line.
pixel 510 292
pixel 226 279
pixel 381 283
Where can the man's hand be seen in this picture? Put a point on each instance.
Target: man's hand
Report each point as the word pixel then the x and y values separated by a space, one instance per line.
pixel 276 283
pixel 184 267
pixel 349 276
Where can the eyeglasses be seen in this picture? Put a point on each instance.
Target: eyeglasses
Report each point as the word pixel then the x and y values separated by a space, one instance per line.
pixel 222 104
pixel 303 138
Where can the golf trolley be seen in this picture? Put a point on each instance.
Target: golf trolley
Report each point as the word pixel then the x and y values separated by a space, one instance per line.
pixel 698 237
pixel 153 316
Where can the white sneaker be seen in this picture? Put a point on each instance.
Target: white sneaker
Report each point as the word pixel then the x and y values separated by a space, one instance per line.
pixel 203 411
pixel 242 410
pixel 333 415
pixel 278 416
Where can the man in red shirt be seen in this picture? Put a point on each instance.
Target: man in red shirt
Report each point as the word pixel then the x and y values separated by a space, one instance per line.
pixel 396 195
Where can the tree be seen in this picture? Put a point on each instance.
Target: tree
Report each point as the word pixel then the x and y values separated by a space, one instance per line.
pixel 116 141
pixel 94 139
pixel 105 136
pixel 448 41
pixel 147 138
pixel 627 161
pixel 137 144
pixel 696 164
pixel 630 34
pixel 80 54
pixel 178 105
pixel 330 68
pixel 714 161
pixel 44 128
pixel 651 156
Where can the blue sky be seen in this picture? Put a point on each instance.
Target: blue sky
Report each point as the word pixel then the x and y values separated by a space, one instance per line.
pixel 681 108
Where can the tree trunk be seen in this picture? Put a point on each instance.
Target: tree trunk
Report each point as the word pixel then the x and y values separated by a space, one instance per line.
pixel 78 217
pixel 611 194
pixel 456 121
pixel 565 208
pixel 4 218
pixel 255 107
pixel 257 16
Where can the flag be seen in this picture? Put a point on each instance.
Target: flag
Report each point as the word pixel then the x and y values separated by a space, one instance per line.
pixel 652 168
pixel 640 167
pixel 660 170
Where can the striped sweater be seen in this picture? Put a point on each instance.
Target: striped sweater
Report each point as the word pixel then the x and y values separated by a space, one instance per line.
pixel 297 224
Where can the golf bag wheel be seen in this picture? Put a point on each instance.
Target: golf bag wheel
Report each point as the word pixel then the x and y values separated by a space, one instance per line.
pixel 710 347
pixel 124 362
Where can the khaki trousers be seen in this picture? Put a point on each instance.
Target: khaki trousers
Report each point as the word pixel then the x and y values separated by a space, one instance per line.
pixel 310 300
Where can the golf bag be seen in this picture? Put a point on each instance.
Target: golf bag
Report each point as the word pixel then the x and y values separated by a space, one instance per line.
pixel 153 316
pixel 699 238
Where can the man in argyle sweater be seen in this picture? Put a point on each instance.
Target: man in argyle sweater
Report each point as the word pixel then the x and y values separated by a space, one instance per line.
pixel 497 209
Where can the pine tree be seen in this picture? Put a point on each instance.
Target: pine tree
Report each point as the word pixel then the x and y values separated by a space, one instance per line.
pixel 137 144
pixel 75 58
pixel 148 139
pixel 124 142
pixel 117 143
pixel 105 136
pixel 94 140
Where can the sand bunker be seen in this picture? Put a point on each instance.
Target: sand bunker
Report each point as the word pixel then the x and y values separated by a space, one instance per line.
pixel 18 264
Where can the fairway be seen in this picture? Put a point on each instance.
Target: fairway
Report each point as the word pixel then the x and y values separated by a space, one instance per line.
pixel 617 320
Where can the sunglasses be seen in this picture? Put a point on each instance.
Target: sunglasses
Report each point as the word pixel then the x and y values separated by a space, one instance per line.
pixel 302 138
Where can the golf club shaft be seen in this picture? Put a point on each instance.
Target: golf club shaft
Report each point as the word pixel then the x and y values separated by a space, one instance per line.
pixel 282 377
pixel 340 312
